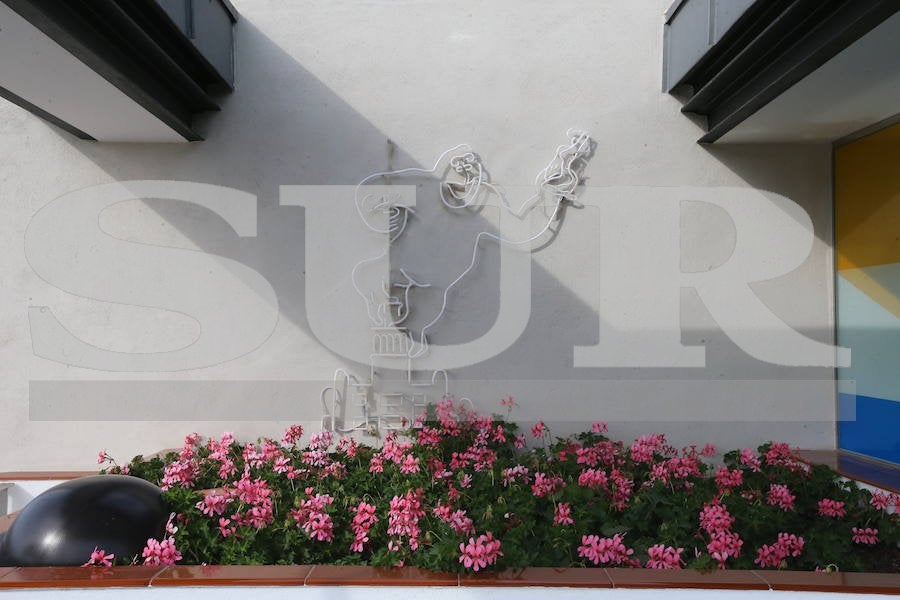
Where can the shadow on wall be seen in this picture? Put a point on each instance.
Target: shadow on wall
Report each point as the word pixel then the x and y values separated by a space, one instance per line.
pixel 259 142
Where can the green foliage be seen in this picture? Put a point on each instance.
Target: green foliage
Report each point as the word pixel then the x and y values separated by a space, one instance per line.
pixel 660 510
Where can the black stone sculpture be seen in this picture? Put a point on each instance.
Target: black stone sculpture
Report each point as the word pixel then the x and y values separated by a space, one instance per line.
pixel 63 525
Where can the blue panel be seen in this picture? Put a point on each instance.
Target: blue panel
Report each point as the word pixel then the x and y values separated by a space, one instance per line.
pixel 871 331
pixel 876 430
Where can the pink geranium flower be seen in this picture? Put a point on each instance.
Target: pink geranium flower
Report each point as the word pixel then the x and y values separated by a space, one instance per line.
pixel 363 521
pixel 599 550
pixel 312 517
pixel 225 528
pixel 538 429
pixel 99 558
pixel 664 557
pixel 213 505
pixel 728 479
pixel 645 447
pixel 292 435
pixel 779 495
pixel 867 536
pixel 480 553
pixel 562 514
pixel 403 518
pixel 709 450
pixel 831 508
pixel 773 556
pixel 593 478
pixel 410 465
pixel 163 553
pixel 749 458
pixel 884 500
pixel 544 484
pixel 724 545
pixel 511 474
pixel 715 517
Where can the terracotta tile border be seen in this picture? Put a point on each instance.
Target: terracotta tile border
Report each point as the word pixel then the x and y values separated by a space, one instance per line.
pixel 327 575
pixel 710 580
pixel 856 583
pixel 77 577
pixel 380 576
pixel 539 577
pixel 263 575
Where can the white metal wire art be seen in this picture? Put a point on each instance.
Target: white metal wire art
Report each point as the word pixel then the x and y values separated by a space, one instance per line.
pixel 351 404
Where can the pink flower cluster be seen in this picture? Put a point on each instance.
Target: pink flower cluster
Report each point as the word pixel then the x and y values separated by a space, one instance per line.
pixel 562 514
pixel 885 500
pixel 715 517
pixel 724 545
pixel 773 555
pixel 748 457
pixel 255 496
pixel 512 474
pixel 831 508
pixel 727 480
pixel 605 551
pixel 779 495
pixel 867 536
pixel 363 521
pixel 313 518
pixel 604 452
pixel 723 542
pixel 645 447
pixel 99 558
pixel 292 435
pixel 545 485
pixel 622 488
pixel 480 553
pixel 214 504
pixel 664 557
pixel 396 452
pixel 616 484
pixel 593 478
pixel 181 472
pixel 403 519
pixel 675 469
pixel 161 553
pixel 457 519
pixel 599 427
pixel 782 455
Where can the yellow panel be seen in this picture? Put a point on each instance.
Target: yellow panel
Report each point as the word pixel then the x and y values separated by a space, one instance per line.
pixel 867 201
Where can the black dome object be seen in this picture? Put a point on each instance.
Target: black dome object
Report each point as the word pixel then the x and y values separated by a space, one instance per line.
pixel 62 526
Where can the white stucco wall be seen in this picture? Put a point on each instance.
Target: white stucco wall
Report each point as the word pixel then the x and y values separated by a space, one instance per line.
pixel 328 92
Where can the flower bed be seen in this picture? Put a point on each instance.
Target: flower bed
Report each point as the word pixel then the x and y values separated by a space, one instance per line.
pixel 462 492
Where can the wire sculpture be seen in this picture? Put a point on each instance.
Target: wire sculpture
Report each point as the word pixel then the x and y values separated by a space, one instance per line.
pixel 556 183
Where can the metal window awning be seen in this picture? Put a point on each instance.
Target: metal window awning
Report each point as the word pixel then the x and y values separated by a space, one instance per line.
pixel 117 70
pixel 793 71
